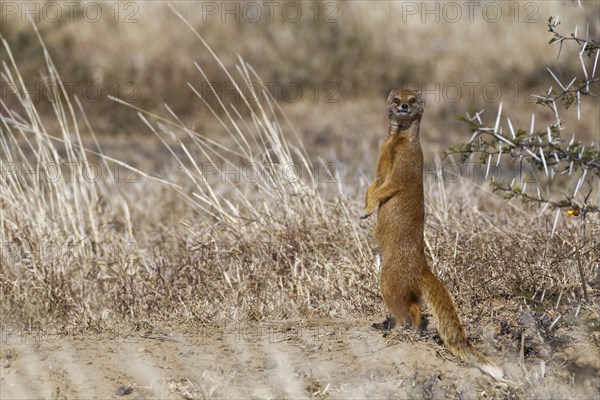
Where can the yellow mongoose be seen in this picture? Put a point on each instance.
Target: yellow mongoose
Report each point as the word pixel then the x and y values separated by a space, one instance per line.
pixel 398 191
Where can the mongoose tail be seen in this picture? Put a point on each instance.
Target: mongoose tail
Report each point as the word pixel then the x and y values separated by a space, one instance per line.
pixel 451 329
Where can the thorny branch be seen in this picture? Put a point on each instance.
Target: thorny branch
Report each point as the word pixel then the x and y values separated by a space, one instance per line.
pixel 546 151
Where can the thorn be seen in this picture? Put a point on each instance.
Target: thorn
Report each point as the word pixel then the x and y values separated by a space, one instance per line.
pixel 532 154
pixel 544 161
pixel 474 136
pixel 499 154
pixel 498 118
pixel 502 138
pixel 578 105
pixel 571 83
pixel 555 110
pixel 556 79
pixel 510 126
pixel 478 116
pixel 583 63
pixel 580 182
pixel 556 158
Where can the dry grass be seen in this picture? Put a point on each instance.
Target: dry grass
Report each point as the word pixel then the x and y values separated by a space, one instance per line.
pixel 270 237
pixel 227 230
pixel 264 241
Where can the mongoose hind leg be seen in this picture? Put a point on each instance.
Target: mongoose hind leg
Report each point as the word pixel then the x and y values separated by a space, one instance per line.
pixel 404 306
pixel 415 314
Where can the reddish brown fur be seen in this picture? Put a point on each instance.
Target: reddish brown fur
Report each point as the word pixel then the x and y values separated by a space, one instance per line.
pixel 398 191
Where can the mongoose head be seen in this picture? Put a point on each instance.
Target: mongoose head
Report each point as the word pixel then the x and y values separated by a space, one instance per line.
pixel 405 106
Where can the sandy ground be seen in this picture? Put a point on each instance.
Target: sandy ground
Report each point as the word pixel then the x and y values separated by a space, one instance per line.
pixel 308 359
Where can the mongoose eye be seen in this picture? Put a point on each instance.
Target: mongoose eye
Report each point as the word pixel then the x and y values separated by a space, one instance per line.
pixel 396 100
pixel 412 100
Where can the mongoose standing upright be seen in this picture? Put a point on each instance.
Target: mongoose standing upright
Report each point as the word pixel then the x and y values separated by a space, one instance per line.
pixel 398 191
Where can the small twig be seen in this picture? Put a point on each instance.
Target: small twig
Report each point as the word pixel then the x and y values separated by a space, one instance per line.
pixel 581 274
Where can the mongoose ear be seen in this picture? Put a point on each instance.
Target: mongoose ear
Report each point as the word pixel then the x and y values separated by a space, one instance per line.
pixel 390 96
pixel 420 97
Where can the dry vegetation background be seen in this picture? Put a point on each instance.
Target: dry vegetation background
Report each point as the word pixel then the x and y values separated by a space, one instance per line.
pixel 214 226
